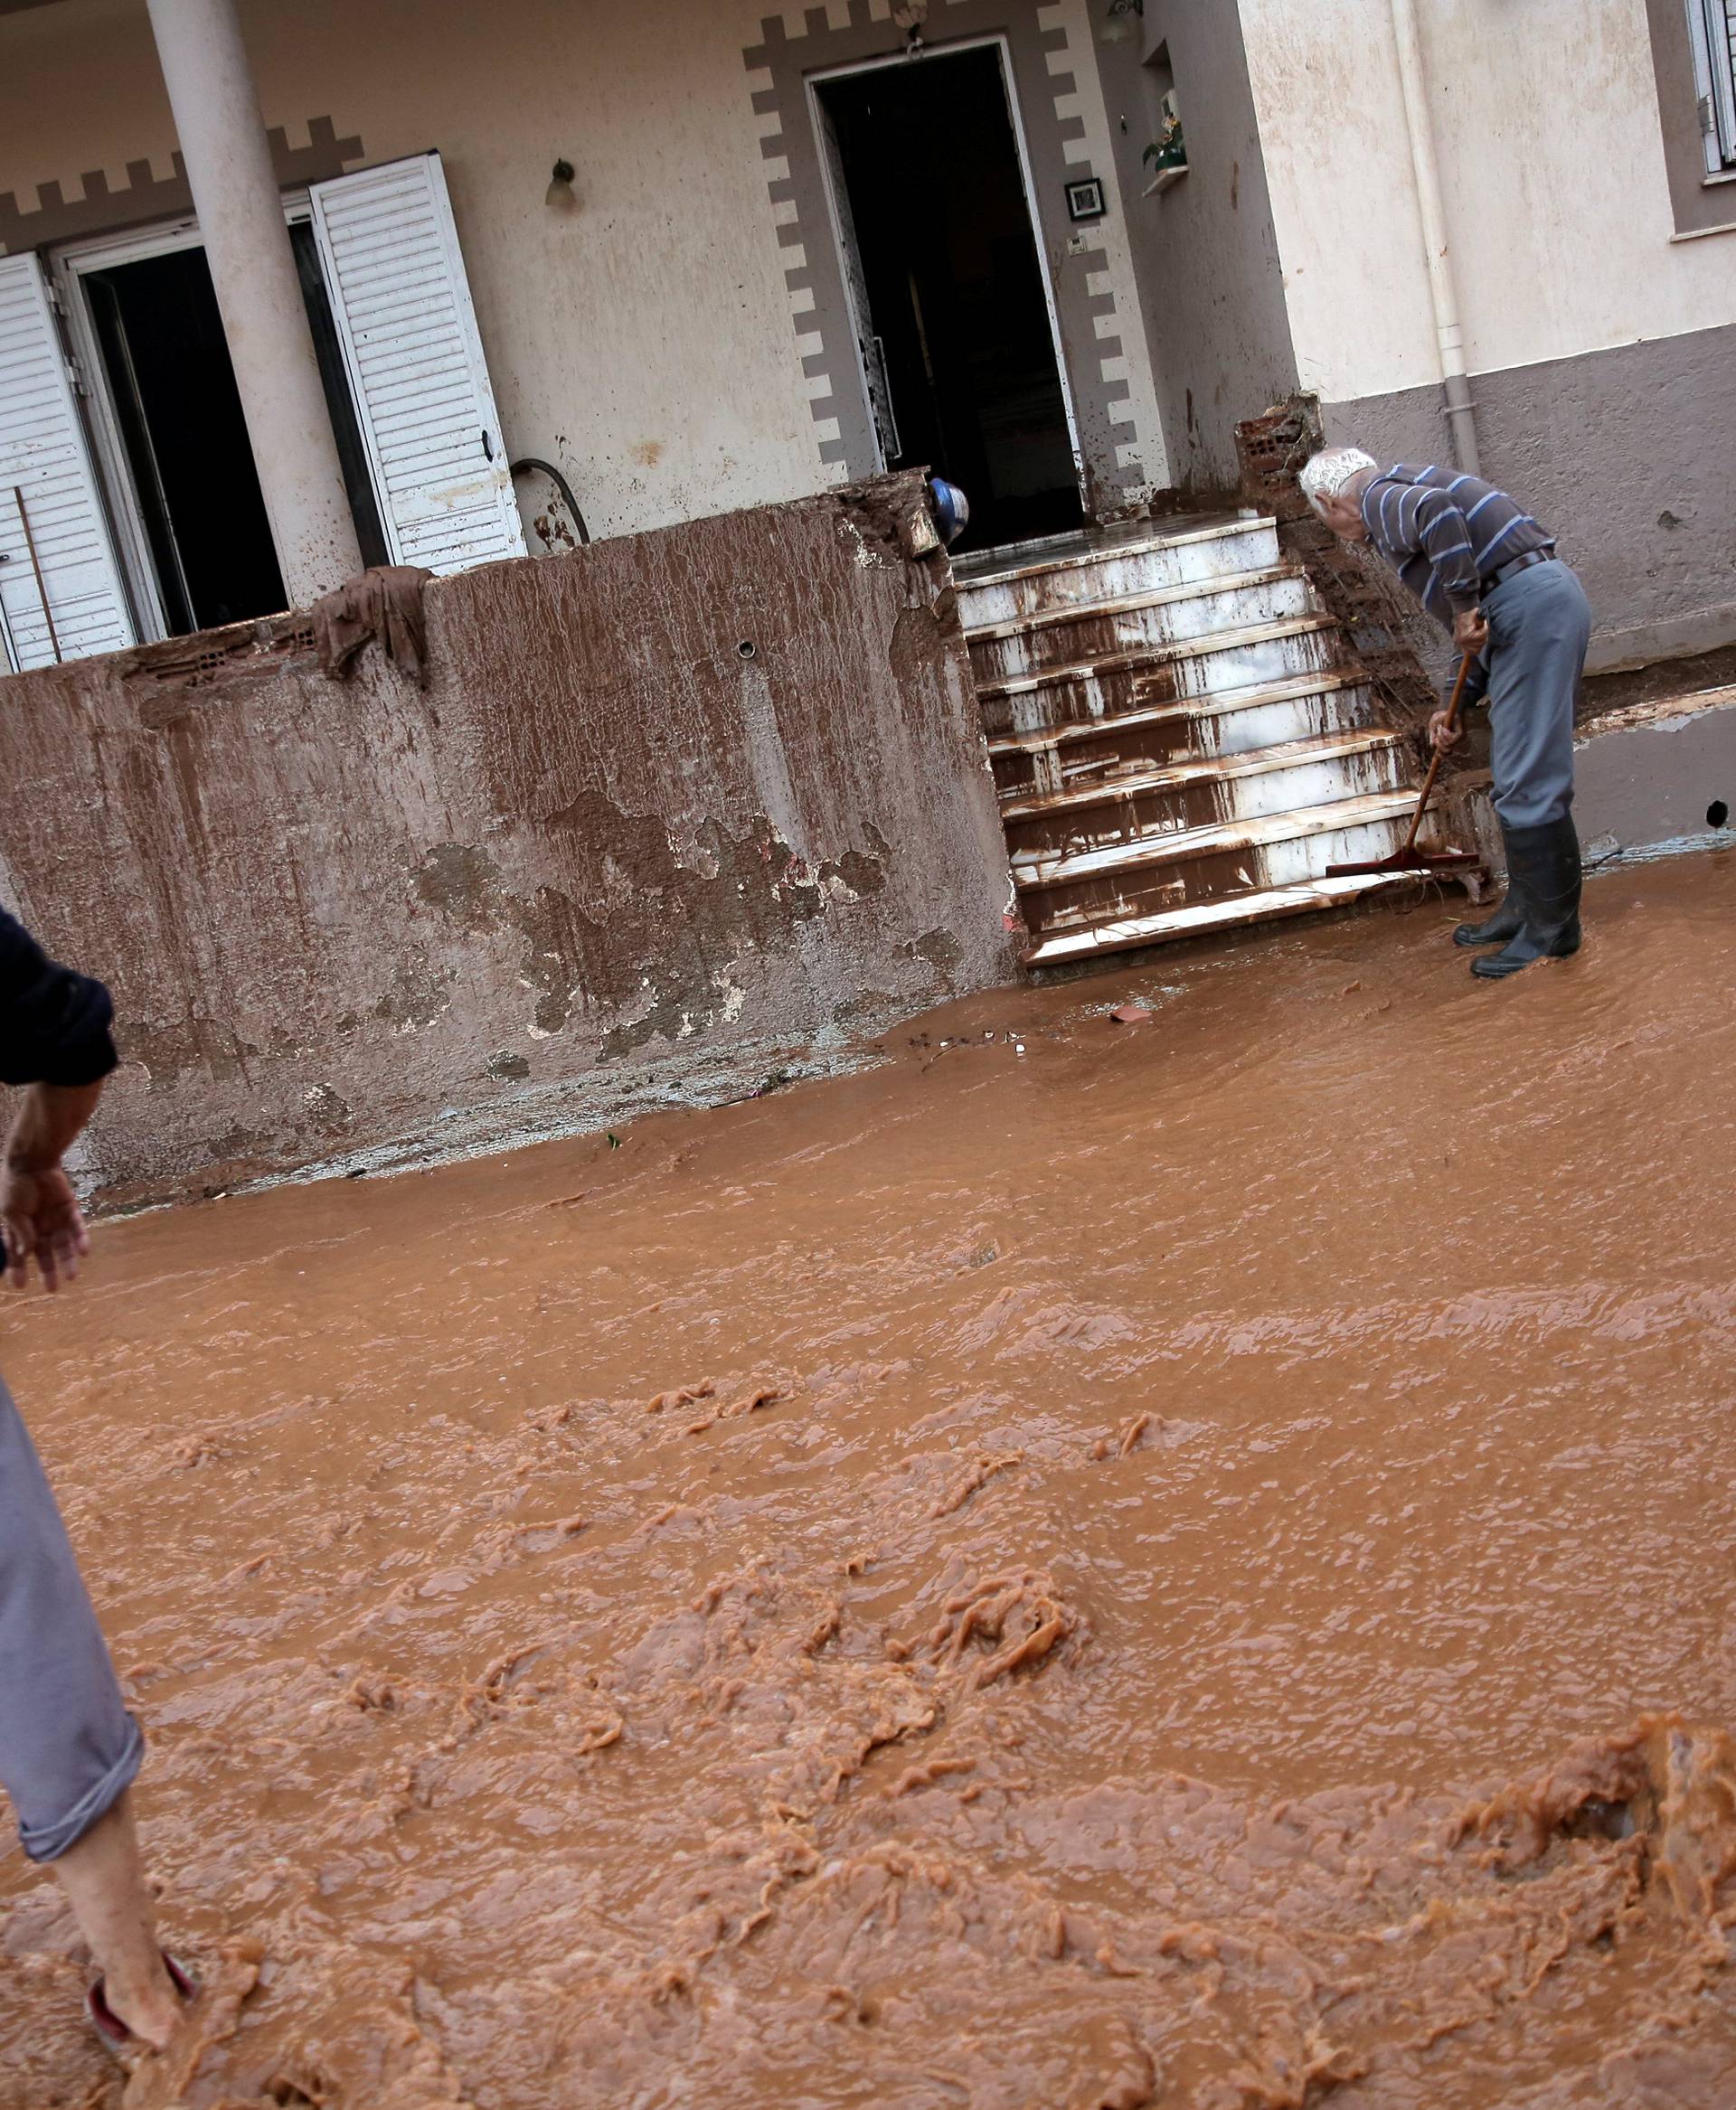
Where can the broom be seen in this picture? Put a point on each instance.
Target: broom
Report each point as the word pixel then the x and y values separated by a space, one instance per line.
pixel 1409 858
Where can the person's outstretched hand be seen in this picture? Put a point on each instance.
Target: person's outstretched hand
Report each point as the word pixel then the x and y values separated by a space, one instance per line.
pixel 41 1221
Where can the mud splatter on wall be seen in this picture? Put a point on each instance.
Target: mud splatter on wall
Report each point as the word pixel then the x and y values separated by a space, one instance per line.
pixel 670 811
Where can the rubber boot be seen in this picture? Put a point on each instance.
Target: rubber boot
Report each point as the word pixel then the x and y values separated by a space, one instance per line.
pixel 1543 865
pixel 1506 922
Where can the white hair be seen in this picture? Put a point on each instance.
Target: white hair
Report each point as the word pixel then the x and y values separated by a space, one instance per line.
pixel 1325 474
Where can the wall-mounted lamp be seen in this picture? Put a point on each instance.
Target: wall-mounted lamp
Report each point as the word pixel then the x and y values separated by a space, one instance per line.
pixel 1122 25
pixel 909 16
pixel 560 196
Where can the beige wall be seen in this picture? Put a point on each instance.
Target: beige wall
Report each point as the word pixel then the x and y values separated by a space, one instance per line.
pixel 647 345
pixel 1552 172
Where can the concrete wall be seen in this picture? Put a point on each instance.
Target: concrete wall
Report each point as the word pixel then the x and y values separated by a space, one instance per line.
pixel 1629 456
pixel 1656 778
pixel 1600 341
pixel 671 813
pixel 1205 250
pixel 652 345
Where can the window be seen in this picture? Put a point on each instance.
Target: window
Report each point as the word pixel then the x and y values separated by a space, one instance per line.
pixel 1712 26
pixel 1692 67
pixel 129 505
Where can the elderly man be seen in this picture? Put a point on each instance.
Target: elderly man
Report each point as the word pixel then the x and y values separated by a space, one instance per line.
pixel 69 1749
pixel 1484 568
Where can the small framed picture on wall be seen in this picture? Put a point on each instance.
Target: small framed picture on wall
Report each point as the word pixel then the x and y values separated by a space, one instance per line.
pixel 1085 199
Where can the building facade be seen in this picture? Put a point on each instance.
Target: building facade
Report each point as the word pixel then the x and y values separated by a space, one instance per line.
pixel 1056 248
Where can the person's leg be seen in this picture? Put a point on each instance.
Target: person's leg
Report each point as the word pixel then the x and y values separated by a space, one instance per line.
pixel 1508 919
pixel 69 1749
pixel 1539 627
pixel 104 1882
pixel 1539 624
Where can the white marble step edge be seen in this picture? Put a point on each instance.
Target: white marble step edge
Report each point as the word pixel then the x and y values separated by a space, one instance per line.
pixel 1202 918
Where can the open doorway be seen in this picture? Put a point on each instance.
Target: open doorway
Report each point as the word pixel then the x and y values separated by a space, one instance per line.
pixel 170 387
pixel 942 268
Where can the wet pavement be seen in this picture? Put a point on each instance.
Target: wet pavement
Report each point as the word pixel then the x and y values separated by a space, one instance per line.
pixel 1187 1562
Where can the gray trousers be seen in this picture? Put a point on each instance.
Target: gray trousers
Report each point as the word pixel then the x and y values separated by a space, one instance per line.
pixel 1540 623
pixel 68 1746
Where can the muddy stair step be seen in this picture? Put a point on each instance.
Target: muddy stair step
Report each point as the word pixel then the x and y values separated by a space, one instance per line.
pixel 1002 585
pixel 1119 682
pixel 1144 875
pixel 1287 778
pixel 1051 758
pixel 1150 620
pixel 1062 949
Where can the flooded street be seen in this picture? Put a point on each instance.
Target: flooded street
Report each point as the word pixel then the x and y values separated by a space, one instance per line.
pixel 1087 1566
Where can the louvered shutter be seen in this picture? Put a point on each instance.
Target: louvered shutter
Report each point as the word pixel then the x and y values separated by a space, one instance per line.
pixel 390 254
pixel 44 459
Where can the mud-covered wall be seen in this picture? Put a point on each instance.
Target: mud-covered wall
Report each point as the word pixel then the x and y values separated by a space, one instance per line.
pixel 672 815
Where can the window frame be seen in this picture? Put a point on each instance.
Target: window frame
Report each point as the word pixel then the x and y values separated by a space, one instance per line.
pixel 67 264
pixel 1703 198
pixel 1714 81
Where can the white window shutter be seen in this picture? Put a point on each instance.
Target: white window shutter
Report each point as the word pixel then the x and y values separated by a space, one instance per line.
pixel 390 253
pixel 44 460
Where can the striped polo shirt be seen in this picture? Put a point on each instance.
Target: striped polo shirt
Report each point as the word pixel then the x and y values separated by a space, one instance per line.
pixel 1445 534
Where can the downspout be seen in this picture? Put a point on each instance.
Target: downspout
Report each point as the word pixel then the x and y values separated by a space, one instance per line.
pixel 1454 383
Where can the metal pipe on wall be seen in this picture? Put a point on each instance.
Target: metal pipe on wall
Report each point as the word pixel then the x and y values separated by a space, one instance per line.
pixel 258 294
pixel 1455 382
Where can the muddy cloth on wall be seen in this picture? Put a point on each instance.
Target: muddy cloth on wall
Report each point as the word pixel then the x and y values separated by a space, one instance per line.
pixel 382 603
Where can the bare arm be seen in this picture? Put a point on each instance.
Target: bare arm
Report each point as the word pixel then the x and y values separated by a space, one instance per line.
pixel 39 1219
pixel 54 1043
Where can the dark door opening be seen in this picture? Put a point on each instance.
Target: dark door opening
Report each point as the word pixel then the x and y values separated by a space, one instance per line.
pixel 179 416
pixel 944 271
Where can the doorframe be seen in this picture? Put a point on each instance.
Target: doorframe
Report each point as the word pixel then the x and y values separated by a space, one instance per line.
pixel 1009 87
pixel 67 266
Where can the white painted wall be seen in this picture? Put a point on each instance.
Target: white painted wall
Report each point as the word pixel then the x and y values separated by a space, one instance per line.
pixel 645 344
pixel 1551 170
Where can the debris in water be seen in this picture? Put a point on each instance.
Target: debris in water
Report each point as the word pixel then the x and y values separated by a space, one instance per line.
pixel 1131 1015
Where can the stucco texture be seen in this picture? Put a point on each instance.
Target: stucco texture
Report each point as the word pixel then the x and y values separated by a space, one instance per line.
pixel 642 344
pixel 1206 252
pixel 1553 180
pixel 671 815
pixel 1627 455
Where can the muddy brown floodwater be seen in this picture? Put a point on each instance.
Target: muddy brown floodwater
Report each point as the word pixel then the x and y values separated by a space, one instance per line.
pixel 1190 1565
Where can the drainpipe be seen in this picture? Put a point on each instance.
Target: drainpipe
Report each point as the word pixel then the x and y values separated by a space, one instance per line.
pixel 1455 382
pixel 253 270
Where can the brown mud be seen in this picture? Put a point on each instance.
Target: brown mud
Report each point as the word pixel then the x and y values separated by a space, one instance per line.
pixel 1189 1565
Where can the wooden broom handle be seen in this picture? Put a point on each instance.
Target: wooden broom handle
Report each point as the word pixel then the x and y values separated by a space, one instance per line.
pixel 1441 753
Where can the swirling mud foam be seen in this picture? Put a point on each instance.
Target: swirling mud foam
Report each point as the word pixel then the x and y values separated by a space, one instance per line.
pixel 1189 1565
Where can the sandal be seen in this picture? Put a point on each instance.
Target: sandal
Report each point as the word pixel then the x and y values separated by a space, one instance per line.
pixel 109 2025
